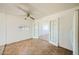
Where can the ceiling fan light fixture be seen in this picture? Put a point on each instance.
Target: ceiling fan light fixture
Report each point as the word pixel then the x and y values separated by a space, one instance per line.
pixel 28 14
pixel 25 18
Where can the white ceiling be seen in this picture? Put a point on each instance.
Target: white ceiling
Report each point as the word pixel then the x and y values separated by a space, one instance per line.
pixel 11 9
pixel 37 10
pixel 44 9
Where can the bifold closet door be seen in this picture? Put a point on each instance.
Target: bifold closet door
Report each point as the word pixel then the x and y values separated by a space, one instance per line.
pixel 54 32
pixel 76 33
pixel 2 32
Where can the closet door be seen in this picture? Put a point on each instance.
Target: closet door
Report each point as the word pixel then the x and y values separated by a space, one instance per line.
pixel 54 32
pixel 2 32
pixel 36 29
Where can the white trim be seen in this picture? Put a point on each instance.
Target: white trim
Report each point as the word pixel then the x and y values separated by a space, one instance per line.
pixel 53 43
pixel 35 37
pixel 17 41
pixel 75 33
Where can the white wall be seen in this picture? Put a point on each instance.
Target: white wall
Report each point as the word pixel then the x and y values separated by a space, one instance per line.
pixel 44 30
pixel 2 32
pixel 14 32
pixel 10 30
pixel 2 29
pixel 65 28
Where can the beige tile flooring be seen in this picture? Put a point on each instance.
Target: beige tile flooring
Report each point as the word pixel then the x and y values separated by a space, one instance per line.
pixel 34 47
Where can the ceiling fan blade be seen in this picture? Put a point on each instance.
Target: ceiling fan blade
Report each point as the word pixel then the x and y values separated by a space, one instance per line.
pixel 27 12
pixel 32 18
pixel 22 9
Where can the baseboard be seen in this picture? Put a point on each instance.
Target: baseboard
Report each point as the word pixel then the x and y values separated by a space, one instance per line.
pixel 53 43
pixel 17 41
pixel 35 37
pixel 66 48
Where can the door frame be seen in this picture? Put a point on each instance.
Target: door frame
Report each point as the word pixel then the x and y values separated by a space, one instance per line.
pixel 75 32
pixel 57 43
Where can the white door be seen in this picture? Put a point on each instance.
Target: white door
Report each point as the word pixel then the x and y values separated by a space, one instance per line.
pixel 54 32
pixel 75 33
pixel 2 32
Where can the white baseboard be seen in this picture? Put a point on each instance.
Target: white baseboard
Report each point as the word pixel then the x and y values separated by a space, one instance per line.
pixel 53 43
pixel 9 42
pixel 35 37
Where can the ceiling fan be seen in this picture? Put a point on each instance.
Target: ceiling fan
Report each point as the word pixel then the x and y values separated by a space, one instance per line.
pixel 28 14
